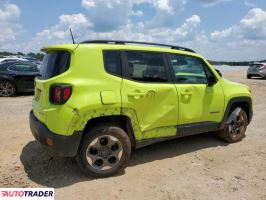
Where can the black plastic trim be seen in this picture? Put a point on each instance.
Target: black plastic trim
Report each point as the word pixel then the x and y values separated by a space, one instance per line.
pixel 65 146
pixel 122 42
pixel 197 128
pixel 147 142
pixel 234 101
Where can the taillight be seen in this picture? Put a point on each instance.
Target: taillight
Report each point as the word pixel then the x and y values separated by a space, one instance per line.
pixel 264 67
pixel 60 93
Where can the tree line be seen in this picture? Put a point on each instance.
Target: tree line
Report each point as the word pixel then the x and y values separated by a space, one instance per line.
pixel 38 56
pixel 232 63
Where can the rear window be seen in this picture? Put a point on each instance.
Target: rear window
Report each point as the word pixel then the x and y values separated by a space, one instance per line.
pixel 54 63
pixel 256 65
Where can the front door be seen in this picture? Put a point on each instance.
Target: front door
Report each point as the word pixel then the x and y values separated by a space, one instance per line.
pixel 199 102
pixel 148 96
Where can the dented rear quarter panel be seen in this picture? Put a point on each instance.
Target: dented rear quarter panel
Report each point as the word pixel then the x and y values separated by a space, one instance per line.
pixel 88 80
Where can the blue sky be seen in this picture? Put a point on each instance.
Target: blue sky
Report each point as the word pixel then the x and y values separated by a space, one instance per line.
pixel 217 29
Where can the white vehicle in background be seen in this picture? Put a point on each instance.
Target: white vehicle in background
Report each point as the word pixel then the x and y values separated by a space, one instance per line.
pixel 12 58
pixel 257 70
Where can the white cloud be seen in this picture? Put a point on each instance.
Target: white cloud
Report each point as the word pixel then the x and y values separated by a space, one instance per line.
pixel 9 25
pixel 102 12
pixel 164 5
pixel 249 4
pixel 9 12
pixel 167 6
pixel 107 15
pixel 253 26
pixel 88 4
pixel 218 35
pixel 188 28
pixel 75 19
pixel 243 40
pixel 166 11
pixel 137 13
pixel 116 19
pixel 212 2
pixel 59 33
pixel 83 30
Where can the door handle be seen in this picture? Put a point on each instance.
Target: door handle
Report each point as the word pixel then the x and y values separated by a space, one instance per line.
pixel 136 94
pixel 185 93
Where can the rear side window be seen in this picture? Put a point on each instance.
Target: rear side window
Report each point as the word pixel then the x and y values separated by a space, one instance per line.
pixel 112 62
pixel 146 66
pixel 4 66
pixel 24 68
pixel 54 63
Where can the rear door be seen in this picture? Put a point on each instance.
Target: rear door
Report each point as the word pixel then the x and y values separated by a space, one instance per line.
pixel 148 96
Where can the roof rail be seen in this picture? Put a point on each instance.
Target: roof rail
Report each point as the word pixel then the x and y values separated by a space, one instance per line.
pixel 135 42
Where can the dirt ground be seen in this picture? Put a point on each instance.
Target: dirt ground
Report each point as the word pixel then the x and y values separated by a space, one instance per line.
pixel 196 167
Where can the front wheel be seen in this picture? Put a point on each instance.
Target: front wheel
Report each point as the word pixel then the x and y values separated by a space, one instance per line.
pixel 235 130
pixel 7 89
pixel 105 150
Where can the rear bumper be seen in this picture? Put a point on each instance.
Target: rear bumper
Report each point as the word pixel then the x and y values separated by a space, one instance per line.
pixel 257 74
pixel 66 146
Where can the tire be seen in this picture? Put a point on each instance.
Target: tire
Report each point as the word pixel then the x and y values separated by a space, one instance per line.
pixel 248 77
pixel 104 151
pixel 235 131
pixel 7 89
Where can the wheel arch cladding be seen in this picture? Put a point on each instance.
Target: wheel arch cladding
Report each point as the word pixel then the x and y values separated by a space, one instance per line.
pixel 121 121
pixel 243 102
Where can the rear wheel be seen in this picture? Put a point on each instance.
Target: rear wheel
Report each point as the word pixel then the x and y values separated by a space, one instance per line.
pixel 235 131
pixel 7 89
pixel 248 76
pixel 105 150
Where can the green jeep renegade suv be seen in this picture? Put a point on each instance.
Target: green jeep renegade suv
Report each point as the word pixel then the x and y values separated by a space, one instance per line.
pixel 98 100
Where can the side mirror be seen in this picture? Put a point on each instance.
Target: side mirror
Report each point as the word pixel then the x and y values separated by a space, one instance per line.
pixel 212 81
pixel 218 71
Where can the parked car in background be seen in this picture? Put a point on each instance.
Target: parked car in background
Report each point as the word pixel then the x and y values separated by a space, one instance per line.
pixel 33 60
pixel 17 76
pixel 10 59
pixel 257 70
